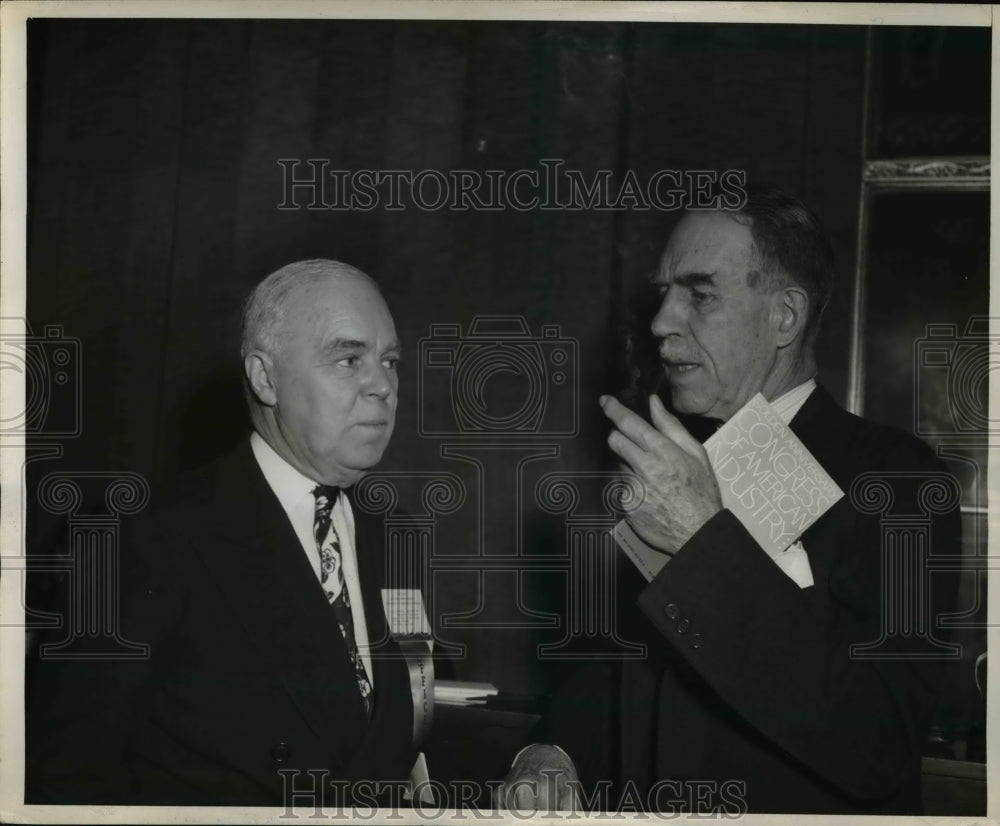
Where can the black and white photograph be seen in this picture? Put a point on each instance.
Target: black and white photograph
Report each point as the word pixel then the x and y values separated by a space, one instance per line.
pixel 496 411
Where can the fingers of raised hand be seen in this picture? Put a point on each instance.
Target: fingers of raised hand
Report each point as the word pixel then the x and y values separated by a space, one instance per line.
pixel 628 423
pixel 627 450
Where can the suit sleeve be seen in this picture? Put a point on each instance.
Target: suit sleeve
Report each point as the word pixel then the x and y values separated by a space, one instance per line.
pixel 781 656
pixel 84 697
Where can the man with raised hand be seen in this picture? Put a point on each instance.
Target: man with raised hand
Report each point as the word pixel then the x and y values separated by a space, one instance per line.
pixel 749 697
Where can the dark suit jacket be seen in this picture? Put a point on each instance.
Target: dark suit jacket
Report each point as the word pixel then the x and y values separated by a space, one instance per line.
pixel 248 673
pixel 748 678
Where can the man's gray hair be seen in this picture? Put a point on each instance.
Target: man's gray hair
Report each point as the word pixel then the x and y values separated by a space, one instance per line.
pixel 790 244
pixel 264 308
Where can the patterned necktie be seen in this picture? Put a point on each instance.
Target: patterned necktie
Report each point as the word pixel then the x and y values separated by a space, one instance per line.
pixel 332 579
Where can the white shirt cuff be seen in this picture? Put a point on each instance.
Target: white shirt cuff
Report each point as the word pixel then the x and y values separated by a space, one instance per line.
pixel 794 561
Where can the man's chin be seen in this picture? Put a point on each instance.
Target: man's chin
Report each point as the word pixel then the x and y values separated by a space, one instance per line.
pixel 353 475
pixel 688 403
pixel 366 460
pixel 350 468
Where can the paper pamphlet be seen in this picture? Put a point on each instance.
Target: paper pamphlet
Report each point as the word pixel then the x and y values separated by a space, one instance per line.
pixel 767 478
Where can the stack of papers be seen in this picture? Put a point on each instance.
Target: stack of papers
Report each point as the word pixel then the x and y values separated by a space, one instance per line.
pixel 454 693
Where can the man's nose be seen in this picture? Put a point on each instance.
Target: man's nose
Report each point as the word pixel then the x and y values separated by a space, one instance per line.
pixel 380 381
pixel 670 318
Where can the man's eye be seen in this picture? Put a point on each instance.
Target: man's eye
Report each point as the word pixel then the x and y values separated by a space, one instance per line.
pixel 700 297
pixel 348 361
pixel 391 362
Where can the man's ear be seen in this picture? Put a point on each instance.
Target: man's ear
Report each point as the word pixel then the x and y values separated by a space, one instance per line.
pixel 790 314
pixel 259 371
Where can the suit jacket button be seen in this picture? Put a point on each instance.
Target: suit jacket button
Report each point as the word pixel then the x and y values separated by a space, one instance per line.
pixel 280 752
pixel 696 640
pixel 671 611
pixel 682 626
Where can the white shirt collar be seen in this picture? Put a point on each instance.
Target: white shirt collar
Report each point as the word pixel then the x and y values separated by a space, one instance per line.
pixel 788 404
pixel 288 484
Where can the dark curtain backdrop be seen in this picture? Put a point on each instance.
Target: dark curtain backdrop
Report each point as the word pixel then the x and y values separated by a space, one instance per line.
pixel 154 187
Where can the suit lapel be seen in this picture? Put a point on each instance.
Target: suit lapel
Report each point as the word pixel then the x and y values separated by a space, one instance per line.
pixel 392 719
pixel 258 563
pixel 818 425
pixel 823 427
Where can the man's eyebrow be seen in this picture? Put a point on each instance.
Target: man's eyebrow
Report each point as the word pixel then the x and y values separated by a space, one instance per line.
pixel 696 279
pixel 337 344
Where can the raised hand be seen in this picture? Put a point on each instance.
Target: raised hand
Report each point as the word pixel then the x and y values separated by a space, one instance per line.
pixel 681 493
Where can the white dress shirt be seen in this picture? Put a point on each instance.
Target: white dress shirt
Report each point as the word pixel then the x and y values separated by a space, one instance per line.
pixel 295 493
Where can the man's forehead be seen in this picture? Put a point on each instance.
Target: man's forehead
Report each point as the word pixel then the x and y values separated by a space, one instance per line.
pixel 346 308
pixel 336 296
pixel 706 242
pixel 330 288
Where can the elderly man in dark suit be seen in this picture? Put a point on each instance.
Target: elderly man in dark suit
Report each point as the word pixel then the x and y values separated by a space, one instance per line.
pixel 758 691
pixel 256 586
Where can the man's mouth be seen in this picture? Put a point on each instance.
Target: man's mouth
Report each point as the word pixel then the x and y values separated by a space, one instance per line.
pixel 678 366
pixel 377 423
